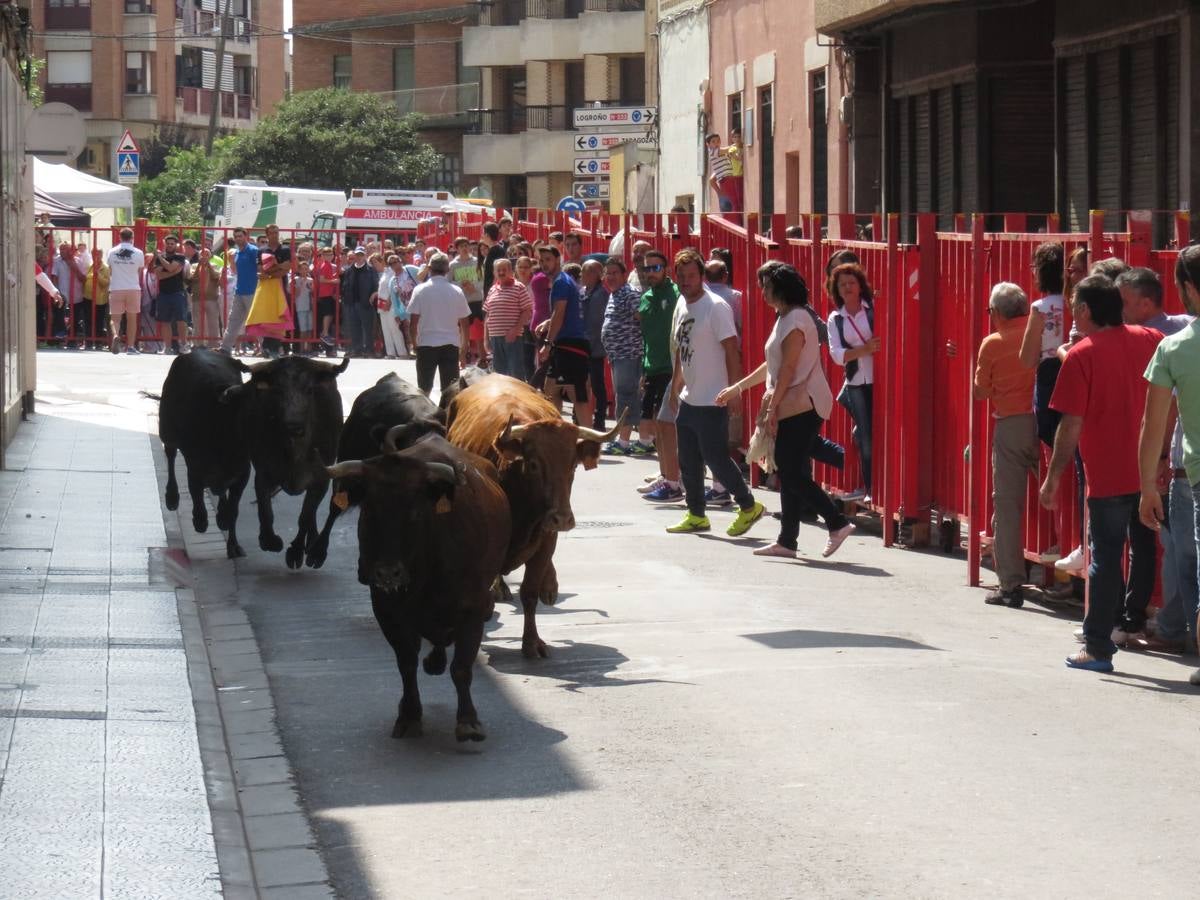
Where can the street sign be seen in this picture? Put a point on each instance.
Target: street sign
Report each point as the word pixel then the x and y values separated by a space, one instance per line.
pixel 128 144
pixel 586 166
pixel 608 116
pixel 571 205
pixel 129 167
pixel 594 143
pixel 590 190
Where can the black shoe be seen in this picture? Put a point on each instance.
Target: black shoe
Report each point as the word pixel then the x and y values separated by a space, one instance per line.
pixel 1014 598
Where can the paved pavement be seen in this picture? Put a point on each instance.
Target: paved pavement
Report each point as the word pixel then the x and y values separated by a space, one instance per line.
pixel 709 724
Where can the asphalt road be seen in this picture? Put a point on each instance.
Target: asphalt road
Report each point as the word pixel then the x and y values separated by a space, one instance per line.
pixel 711 724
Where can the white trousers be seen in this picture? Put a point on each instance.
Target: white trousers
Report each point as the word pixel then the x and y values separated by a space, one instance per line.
pixel 393 339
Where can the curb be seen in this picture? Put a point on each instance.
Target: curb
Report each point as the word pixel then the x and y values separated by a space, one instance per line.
pixel 265 844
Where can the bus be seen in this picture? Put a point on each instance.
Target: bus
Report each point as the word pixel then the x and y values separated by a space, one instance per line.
pixel 251 203
pixel 375 214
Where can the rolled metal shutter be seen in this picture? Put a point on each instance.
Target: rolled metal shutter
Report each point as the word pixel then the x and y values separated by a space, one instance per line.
pixel 1073 71
pixel 947 142
pixel 968 141
pixel 1109 137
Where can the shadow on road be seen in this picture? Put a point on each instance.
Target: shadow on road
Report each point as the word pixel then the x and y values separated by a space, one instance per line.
pixel 576 665
pixel 800 639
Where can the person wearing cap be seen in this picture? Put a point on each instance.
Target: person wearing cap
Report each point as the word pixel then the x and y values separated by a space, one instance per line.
pixel 438 315
pixel 360 283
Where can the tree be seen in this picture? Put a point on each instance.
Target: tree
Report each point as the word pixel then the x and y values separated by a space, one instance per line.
pixel 173 196
pixel 334 139
pixel 157 148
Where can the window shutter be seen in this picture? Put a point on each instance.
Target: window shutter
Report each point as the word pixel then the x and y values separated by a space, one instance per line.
pixel 69 67
pixel 209 71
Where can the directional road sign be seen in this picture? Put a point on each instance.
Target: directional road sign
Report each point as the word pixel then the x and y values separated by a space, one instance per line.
pixel 608 116
pixel 586 166
pixel 590 190
pixel 570 204
pixel 594 143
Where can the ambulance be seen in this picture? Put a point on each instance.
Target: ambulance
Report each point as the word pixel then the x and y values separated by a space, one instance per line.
pixel 375 214
pixel 252 203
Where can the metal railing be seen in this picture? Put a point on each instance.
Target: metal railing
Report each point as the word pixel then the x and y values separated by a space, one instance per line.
pixel 615 5
pixel 198 102
pixel 501 12
pixel 549 118
pixel 510 120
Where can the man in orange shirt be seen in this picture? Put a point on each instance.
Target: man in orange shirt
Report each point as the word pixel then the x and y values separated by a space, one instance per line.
pixel 1002 379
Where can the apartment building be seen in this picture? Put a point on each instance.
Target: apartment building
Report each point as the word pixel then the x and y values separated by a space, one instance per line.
pixel 410 52
pixel 538 61
pixel 142 64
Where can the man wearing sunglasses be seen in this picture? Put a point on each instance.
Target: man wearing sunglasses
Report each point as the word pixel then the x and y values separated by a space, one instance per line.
pixel 655 311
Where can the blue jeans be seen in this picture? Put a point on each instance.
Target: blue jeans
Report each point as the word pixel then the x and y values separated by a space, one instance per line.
pixel 508 357
pixel 358 321
pixel 627 376
pixel 1181 587
pixel 1110 519
pixel 703 435
pixel 859 402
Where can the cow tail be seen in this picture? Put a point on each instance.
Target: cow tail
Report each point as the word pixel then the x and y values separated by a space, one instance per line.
pixel 157 398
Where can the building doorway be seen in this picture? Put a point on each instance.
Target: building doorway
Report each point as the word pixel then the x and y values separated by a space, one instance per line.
pixel 819 104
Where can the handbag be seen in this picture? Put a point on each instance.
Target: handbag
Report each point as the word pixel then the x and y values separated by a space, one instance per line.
pixel 383 304
pixel 761 451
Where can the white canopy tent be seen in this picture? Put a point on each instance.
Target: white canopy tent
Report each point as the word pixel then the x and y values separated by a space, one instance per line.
pixel 99 198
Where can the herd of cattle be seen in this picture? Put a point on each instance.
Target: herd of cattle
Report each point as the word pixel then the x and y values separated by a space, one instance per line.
pixel 490 468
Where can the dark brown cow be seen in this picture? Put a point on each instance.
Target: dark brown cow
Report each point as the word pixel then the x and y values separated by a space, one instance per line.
pixel 420 508
pixel 536 452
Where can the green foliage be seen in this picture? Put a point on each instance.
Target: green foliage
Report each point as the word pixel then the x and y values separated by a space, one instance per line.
pixel 334 139
pixel 156 149
pixel 36 95
pixel 173 197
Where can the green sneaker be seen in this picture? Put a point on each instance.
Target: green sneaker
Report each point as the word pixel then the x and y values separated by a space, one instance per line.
pixel 745 518
pixel 690 524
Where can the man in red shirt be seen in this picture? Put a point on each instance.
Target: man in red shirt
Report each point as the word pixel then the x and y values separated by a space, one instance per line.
pixel 1101 394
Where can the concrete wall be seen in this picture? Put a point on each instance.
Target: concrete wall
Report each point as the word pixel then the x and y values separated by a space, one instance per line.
pixel 683 70
pixel 610 33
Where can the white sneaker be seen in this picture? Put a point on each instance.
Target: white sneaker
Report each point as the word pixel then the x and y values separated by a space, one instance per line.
pixel 856 494
pixel 836 538
pixel 1050 554
pixel 1073 562
pixel 652 486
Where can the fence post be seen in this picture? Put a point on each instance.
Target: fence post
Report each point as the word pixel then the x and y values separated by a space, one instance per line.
pixel 1141 229
pixel 976 476
pixel 1095 236
pixel 920 350
pixel 1183 228
pixel 818 264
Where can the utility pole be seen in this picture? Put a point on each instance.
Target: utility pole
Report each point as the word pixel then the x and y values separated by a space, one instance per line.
pixel 218 66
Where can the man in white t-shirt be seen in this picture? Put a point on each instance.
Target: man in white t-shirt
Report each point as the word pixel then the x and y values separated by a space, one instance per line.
pixel 438 315
pixel 707 361
pixel 127 264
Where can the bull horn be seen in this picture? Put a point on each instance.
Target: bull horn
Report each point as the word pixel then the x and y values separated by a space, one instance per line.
pixel 342 366
pixel 591 434
pixel 442 472
pixel 393 434
pixel 511 431
pixel 351 468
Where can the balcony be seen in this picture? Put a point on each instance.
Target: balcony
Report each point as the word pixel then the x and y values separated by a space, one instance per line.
pixel 141 29
pixel 196 103
pixel 498 121
pixel 610 31
pixel 66 15
pixel 141 107
pixel 441 106
pixel 512 154
pixel 76 95
pixel 549 118
pixel 501 12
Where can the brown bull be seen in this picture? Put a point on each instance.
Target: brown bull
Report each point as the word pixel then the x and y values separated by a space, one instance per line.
pixel 509 423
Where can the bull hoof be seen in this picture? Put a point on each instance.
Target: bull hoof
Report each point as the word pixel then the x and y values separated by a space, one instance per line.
pixel 200 519
pixel 172 499
pixel 469 731
pixel 225 520
pixel 295 557
pixel 535 650
pixel 406 728
pixel 233 550
pixel 271 543
pixel 314 556
pixel 435 661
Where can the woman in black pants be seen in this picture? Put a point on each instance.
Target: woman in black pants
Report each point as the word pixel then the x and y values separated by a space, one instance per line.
pixel 797 402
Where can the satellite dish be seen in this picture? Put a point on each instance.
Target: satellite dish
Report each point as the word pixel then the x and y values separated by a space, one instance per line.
pixel 55 132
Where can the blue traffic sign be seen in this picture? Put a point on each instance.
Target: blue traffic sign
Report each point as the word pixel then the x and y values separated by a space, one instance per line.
pixel 570 204
pixel 129 164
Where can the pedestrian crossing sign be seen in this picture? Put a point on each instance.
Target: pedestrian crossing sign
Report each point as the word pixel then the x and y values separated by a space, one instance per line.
pixel 128 166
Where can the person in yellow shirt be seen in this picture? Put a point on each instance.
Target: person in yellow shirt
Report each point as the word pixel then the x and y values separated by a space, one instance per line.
pixel 91 313
pixel 1001 378
pixel 736 190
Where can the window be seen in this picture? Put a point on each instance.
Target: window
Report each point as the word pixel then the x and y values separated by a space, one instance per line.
pixel 404 79
pixel 447 175
pixel 138 68
pixel 341 71
pixel 766 152
pixel 243 80
pixel 138 7
pixel 69 67
pixel 735 113
pixel 189 68
pixel 818 105
pixel 633 80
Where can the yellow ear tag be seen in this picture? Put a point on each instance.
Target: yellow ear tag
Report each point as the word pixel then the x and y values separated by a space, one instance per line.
pixel 442 506
pixel 341 500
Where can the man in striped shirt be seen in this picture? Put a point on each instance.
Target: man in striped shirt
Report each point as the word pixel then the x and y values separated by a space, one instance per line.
pixel 720 170
pixel 507 311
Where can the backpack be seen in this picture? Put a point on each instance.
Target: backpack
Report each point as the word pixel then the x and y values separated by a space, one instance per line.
pixel 840 322
pixel 822 327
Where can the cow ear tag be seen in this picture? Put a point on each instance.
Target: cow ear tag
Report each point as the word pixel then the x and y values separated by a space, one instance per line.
pixel 442 506
pixel 341 500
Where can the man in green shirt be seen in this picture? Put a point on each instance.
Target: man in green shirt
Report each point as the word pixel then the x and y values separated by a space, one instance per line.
pixel 1173 370
pixel 655 313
